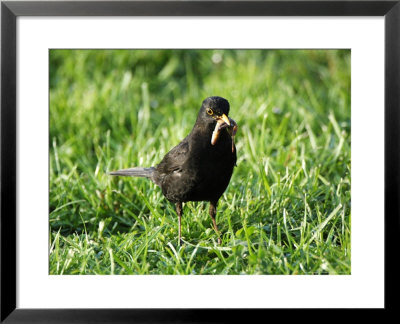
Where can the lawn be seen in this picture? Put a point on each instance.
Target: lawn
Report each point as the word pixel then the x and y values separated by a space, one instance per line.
pixel 287 209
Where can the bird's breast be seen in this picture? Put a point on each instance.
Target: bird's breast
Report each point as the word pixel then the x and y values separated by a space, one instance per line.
pixel 206 170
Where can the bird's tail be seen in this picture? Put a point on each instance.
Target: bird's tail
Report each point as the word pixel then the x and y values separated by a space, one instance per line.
pixel 135 172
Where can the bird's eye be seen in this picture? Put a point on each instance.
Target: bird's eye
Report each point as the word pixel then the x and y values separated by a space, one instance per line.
pixel 209 111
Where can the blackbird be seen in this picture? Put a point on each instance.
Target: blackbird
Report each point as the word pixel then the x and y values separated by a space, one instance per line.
pixel 200 167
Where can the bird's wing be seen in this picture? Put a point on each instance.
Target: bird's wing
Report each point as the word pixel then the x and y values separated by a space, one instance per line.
pixel 174 159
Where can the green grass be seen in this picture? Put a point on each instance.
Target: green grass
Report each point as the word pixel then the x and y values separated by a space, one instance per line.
pixel 287 209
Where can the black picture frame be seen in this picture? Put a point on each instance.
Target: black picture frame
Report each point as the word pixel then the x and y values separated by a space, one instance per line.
pixel 10 10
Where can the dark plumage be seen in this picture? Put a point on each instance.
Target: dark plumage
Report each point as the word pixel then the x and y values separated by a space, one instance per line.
pixel 200 167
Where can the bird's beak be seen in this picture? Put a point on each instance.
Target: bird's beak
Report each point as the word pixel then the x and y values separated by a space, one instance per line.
pixel 225 119
pixel 222 122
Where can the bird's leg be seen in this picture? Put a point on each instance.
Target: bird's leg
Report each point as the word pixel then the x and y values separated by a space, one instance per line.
pixel 179 212
pixel 213 212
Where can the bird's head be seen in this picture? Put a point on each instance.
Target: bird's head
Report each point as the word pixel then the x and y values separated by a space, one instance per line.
pixel 213 118
pixel 214 110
